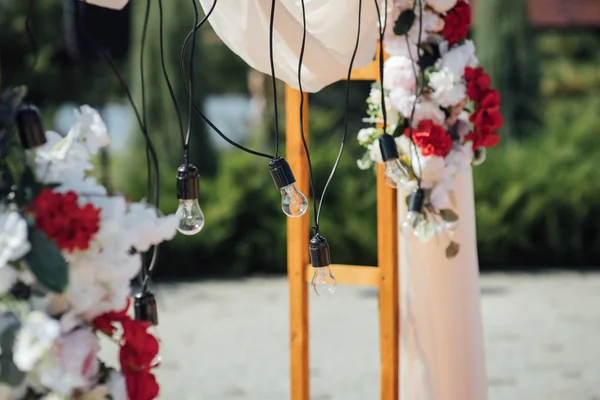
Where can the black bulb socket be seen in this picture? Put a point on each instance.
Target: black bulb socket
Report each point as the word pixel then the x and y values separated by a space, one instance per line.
pixel 188 184
pixel 281 172
pixel 416 200
pixel 145 308
pixel 31 127
pixel 388 147
pixel 319 252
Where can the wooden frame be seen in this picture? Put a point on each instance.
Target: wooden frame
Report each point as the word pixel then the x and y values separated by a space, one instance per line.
pixel 384 276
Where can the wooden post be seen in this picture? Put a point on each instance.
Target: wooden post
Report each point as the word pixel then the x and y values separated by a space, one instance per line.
pixel 387 260
pixel 297 248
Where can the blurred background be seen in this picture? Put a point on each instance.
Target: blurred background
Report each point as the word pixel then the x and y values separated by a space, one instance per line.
pixel 536 195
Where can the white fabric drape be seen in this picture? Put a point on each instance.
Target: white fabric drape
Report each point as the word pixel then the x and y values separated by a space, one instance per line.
pixel 441 339
pixel 243 25
pixel 114 4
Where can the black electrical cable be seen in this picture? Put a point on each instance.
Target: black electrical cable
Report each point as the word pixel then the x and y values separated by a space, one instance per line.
pixel 186 144
pixel 273 79
pixel 164 70
pixel 318 208
pixel 152 161
pixel 196 109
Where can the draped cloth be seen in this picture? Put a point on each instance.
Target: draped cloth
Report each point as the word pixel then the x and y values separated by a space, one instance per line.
pixel 243 25
pixel 441 335
pixel 113 4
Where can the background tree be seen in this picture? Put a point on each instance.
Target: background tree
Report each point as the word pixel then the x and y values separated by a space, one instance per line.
pixel 506 48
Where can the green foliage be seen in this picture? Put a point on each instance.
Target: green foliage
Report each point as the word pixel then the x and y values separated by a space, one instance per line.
pixel 506 49
pixel 9 327
pixel 46 262
pixel 537 200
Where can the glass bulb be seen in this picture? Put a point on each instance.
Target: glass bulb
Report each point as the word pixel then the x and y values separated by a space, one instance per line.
pixel 293 202
pixel 323 281
pixel 410 223
pixel 396 175
pixel 191 217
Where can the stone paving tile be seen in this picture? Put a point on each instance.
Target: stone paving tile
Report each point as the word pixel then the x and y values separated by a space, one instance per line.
pixel 229 340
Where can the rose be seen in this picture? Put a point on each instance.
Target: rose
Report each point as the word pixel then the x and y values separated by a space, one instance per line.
pixel 432 139
pixel 487 116
pixel 478 83
pixel 457 22
pixel 399 71
pixel 74 362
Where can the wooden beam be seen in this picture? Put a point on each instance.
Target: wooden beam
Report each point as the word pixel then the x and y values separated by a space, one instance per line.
pixel 297 248
pixel 369 72
pixel 387 258
pixel 350 274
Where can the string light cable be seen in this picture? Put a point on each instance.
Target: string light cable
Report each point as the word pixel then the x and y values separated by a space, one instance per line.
pixel 323 281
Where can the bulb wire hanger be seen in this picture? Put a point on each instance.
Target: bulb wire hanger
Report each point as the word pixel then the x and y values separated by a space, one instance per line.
pixel 317 206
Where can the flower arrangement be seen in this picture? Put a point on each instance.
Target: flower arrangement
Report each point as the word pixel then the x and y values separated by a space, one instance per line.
pixel 68 253
pixel 439 105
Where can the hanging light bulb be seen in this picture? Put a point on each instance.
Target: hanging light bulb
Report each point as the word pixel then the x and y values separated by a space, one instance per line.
pixel 31 130
pixel 293 202
pixel 191 217
pixel 395 174
pixel 146 310
pixel 415 213
pixel 479 156
pixel 323 281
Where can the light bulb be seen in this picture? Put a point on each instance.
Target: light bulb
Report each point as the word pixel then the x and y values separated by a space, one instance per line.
pixel 395 174
pixel 191 217
pixel 31 127
pixel 414 216
pixel 293 201
pixel 323 281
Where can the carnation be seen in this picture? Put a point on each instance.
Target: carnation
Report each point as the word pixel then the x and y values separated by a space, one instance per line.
pixel 448 89
pixel 432 139
pixel 399 72
pixel 457 22
pixel 457 58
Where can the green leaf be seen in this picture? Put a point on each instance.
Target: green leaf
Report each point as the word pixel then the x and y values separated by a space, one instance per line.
pixel 404 22
pixel 452 250
pixel 9 373
pixel 448 215
pixel 46 262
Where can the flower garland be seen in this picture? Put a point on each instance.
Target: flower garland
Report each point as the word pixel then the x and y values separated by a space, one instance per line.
pixel 68 252
pixel 440 106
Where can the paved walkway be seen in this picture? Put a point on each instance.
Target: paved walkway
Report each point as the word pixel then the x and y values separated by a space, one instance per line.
pixel 229 340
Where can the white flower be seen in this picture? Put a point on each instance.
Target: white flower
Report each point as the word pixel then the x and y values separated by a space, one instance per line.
pixel 13 237
pixel 366 134
pixel 448 90
pixel 441 6
pixel 375 152
pixel 432 22
pixel 54 396
pixel 424 109
pixel 147 228
pixel 375 96
pixel 399 71
pixel 72 363
pixel 457 58
pixel 57 162
pixel 89 131
pixel 116 384
pixel 399 46
pixel 34 340
pixel 429 168
pixel 8 277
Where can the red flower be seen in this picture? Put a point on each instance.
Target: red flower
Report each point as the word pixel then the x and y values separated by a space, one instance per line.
pixel 69 225
pixel 487 116
pixel 141 386
pixel 431 138
pixel 483 139
pixel 457 22
pixel 478 82
pixel 105 322
pixel 137 357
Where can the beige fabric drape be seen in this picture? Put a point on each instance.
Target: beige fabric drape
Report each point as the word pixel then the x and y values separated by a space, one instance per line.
pixel 441 339
pixel 243 25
